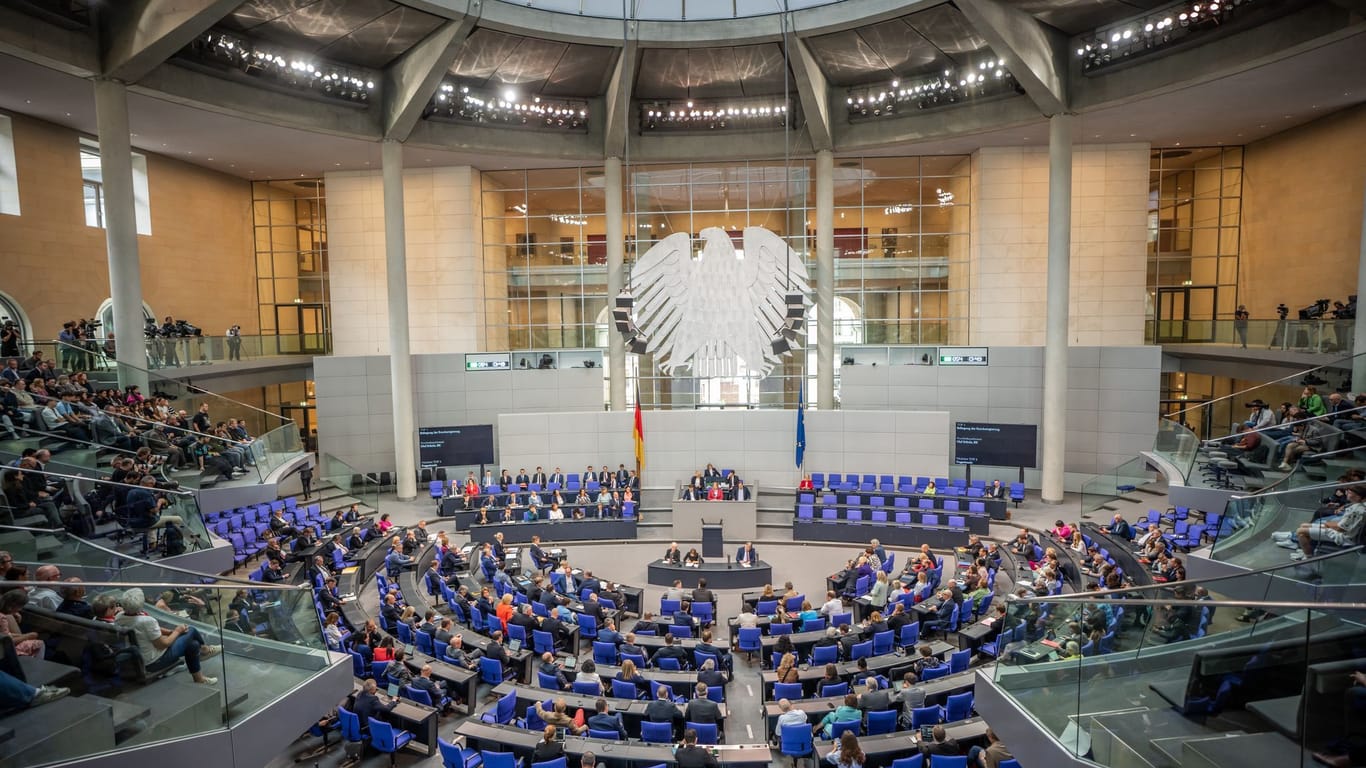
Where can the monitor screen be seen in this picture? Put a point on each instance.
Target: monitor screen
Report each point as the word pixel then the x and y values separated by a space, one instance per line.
pixel 455 446
pixel 995 445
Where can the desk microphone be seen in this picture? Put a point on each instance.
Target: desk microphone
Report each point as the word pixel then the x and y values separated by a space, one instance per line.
pixel 728 562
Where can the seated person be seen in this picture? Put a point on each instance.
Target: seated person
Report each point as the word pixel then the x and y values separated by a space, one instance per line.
pixel 661 709
pixel 602 720
pixel 557 715
pixel 692 559
pixel 162 648
pixel 846 712
pixel 1341 529
pixel 702 709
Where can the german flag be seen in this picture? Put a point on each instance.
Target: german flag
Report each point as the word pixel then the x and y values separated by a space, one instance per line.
pixel 638 432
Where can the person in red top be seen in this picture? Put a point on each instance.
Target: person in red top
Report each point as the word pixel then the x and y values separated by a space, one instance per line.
pixel 806 484
pixel 714 493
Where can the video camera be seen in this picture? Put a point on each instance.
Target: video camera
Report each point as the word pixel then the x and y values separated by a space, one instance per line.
pixel 1314 311
pixel 1346 311
pixel 184 329
pixel 1282 311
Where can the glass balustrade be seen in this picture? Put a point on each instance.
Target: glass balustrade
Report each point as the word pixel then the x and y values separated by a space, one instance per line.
pixel 183 351
pixel 349 480
pixel 1253 665
pixel 253 644
pixel 67 494
pixel 1108 486
pixel 1253 527
pixel 1324 336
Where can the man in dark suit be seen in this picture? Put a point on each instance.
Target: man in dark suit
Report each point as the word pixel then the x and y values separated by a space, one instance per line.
pixel 941 744
pixel 606 478
pixel 555 627
pixel 661 709
pixel 538 477
pixel 747 555
pixel 434 688
pixel 525 619
pixel 591 607
pixel 671 651
pixel 370 704
pixel 556 477
pixel 702 709
pixel 327 596
pixel 629 646
pixel 623 476
pixel 495 649
pixel 689 755
pixel 847 642
pixel 589 582
pixel 588 475
pixel 683 616
pixel 539 557
pixel 710 676
pixel 702 594
pixel 458 654
pixel 549 668
pixel 602 720
pixel 672 555
pixel 607 633
pixel 721 654
pixel 497 549
pixel 875 699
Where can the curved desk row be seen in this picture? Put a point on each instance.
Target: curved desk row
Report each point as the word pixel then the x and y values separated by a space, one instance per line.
pixel 889 534
pixel 718 575
pixel 607 529
pixel 507 738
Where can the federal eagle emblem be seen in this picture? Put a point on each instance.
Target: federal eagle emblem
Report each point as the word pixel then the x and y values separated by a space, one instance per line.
pixel 718 309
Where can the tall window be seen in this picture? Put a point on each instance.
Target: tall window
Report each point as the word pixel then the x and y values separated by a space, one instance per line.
pixel 1195 200
pixel 92 188
pixel 9 170
pixel 290 224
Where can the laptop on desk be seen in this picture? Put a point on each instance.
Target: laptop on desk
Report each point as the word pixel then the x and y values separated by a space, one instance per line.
pixel 393 690
pixel 514 645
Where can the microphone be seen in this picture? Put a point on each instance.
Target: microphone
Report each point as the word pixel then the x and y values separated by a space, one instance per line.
pixel 728 561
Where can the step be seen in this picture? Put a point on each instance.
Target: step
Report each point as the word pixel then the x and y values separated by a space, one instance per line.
pixel 40 672
pixel 1130 735
pixel 67 729
pixel 1249 750
pixel 175 706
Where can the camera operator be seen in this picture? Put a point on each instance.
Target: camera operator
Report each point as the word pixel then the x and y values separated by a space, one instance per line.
pixel 235 342
pixel 170 353
pixel 1344 320
pixel 154 345
pixel 1279 336
pixel 9 339
pixel 1240 317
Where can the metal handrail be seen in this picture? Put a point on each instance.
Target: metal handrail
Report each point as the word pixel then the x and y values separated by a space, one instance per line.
pixel 1282 425
pixel 83 478
pixel 123 555
pixel 1243 392
pixel 1283 604
pixel 1077 597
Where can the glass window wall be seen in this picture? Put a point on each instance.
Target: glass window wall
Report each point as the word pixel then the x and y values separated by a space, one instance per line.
pixel 901 240
pixel 290 222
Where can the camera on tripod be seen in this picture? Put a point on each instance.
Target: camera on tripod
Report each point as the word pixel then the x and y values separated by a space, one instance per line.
pixel 1314 311
pixel 1282 311
pixel 184 329
pixel 1346 311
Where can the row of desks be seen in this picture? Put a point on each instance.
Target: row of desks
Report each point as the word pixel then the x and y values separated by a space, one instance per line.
pixel 632 711
pixel 936 692
pixel 588 529
pixel 890 534
pixel 996 508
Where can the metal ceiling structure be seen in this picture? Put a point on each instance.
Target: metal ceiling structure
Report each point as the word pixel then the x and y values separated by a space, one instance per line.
pixel 613 58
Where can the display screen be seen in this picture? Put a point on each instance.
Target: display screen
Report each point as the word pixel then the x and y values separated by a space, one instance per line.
pixel 995 445
pixel 455 446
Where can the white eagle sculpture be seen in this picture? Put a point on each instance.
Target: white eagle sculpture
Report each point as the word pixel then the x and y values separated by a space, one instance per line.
pixel 706 311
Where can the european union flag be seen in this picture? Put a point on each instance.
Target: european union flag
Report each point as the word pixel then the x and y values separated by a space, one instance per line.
pixel 801 425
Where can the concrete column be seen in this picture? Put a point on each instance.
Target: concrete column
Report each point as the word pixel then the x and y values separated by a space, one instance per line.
pixel 616 278
pixel 1055 339
pixel 1359 332
pixel 121 230
pixel 825 280
pixel 400 360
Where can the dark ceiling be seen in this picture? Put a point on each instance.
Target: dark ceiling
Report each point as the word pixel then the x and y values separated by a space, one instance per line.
pixel 493 60
pixel 365 33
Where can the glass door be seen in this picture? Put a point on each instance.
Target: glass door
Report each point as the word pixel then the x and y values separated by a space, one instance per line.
pixel 301 328
pixel 1185 315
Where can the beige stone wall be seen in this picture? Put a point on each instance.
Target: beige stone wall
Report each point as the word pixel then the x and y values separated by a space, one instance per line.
pixel 196 265
pixel 445 285
pixel 1302 207
pixel 1009 250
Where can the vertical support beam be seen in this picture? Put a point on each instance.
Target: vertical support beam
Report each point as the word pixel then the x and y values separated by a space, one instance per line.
pixel 1059 278
pixel 121 230
pixel 1359 334
pixel 400 361
pixel 825 280
pixel 616 278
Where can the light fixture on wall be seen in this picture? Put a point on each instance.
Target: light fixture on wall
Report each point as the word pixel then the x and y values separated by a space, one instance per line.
pixel 1168 25
pixel 291 69
pixel 460 102
pixel 987 78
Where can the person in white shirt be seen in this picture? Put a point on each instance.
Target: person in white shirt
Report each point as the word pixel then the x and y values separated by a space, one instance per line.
pixel 832 605
pixel 555 513
pixel 788 715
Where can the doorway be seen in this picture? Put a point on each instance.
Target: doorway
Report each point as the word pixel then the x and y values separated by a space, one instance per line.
pixel 301 328
pixel 1185 314
pixel 302 415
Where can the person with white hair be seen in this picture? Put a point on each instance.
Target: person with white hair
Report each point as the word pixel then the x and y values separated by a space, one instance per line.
pixel 163 648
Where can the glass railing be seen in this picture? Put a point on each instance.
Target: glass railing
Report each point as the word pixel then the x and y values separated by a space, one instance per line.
pixel 183 351
pixel 1320 336
pixel 350 481
pixel 237 646
pixel 1257 531
pixel 92 495
pixel 1109 486
pixel 1255 663
pixel 1176 443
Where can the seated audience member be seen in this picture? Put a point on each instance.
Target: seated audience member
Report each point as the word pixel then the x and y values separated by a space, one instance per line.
pixel 602 720
pixel 692 559
pixel 996 490
pixel 161 648
pixel 689 755
pixel 846 712
pixel 941 744
pixel 557 714
pixel 548 748
pixel 1120 527
pixel 1341 529
pixel 992 755
pixel 846 753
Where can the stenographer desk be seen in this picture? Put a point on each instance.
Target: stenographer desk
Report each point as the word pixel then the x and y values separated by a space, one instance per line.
pixel 718 575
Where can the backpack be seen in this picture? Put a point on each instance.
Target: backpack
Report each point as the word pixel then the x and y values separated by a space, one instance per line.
pixel 174 540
